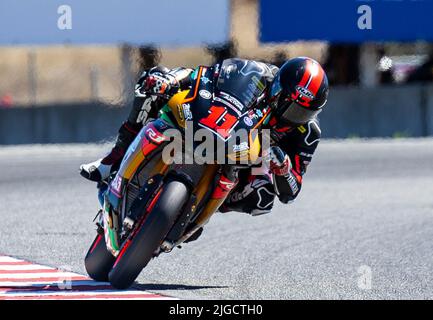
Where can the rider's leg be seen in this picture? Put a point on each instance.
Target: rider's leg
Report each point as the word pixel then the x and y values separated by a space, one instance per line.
pixel 101 168
pixel 142 110
pixel 254 195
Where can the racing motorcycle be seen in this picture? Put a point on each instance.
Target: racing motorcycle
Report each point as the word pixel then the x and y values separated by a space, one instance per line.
pixel 150 206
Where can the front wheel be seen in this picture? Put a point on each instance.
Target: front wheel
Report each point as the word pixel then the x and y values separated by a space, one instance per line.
pixel 99 260
pixel 136 253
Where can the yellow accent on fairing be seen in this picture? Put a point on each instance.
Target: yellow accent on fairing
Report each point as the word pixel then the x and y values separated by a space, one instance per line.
pixel 133 164
pixel 255 146
pixel 239 156
pixel 205 182
pixel 200 190
pixel 175 104
pixel 252 154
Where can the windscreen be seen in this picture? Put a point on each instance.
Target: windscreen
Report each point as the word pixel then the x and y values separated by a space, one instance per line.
pixel 243 79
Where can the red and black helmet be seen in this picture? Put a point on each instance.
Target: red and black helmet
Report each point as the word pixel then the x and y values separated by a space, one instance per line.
pixel 299 91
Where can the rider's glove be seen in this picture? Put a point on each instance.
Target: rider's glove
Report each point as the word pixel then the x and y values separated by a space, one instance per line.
pixel 280 163
pixel 156 84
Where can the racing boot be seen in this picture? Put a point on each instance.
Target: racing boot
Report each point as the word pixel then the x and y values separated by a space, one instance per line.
pixel 101 169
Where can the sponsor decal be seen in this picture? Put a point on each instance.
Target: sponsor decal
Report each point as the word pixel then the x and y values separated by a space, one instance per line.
pixel 226 103
pixel 260 85
pixel 292 183
pixel 228 184
pixel 241 147
pixel 116 184
pixel 259 113
pixel 145 108
pixel 217 69
pixel 187 111
pixel 154 136
pixel 252 114
pixel 302 129
pixel 248 121
pixel 205 80
pixel 305 92
pixel 205 94
pixel 232 100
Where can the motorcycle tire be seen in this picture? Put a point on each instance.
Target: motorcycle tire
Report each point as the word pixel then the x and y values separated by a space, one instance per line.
pixel 99 260
pixel 136 253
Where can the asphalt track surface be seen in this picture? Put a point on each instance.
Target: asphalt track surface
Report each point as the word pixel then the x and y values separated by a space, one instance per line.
pixel 365 213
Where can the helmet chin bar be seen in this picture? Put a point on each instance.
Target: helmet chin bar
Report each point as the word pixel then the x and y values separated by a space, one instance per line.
pixel 285 123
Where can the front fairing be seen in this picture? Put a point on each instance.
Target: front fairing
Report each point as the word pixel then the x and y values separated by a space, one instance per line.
pixel 148 139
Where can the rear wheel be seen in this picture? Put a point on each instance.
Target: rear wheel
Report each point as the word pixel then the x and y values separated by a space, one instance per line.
pixel 99 260
pixel 136 253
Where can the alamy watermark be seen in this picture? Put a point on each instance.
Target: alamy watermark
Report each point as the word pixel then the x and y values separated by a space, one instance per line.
pixel 365 20
pixel 365 277
pixel 64 21
pixel 65 279
pixel 204 146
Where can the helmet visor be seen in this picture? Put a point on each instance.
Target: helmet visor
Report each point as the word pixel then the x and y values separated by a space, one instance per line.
pixel 296 114
pixel 276 87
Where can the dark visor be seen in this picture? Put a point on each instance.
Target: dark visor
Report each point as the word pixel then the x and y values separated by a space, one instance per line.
pixel 296 114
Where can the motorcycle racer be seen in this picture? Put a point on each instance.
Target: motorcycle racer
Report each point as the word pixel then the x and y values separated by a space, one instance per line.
pixel 296 93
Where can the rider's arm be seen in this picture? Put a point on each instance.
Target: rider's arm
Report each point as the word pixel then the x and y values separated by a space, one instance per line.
pixel 300 147
pixel 162 81
pixel 152 90
pixel 147 106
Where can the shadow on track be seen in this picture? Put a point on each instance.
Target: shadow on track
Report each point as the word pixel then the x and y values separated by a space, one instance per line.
pixel 160 286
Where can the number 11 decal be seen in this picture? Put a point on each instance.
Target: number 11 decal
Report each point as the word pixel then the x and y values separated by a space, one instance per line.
pixel 219 121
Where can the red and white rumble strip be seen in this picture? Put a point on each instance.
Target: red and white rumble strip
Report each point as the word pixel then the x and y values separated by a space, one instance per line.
pixel 23 280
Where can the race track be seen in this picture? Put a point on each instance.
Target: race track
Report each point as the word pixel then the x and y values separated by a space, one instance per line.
pixel 364 206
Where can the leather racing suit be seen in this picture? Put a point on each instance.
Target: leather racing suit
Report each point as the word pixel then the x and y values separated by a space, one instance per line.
pixel 254 194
